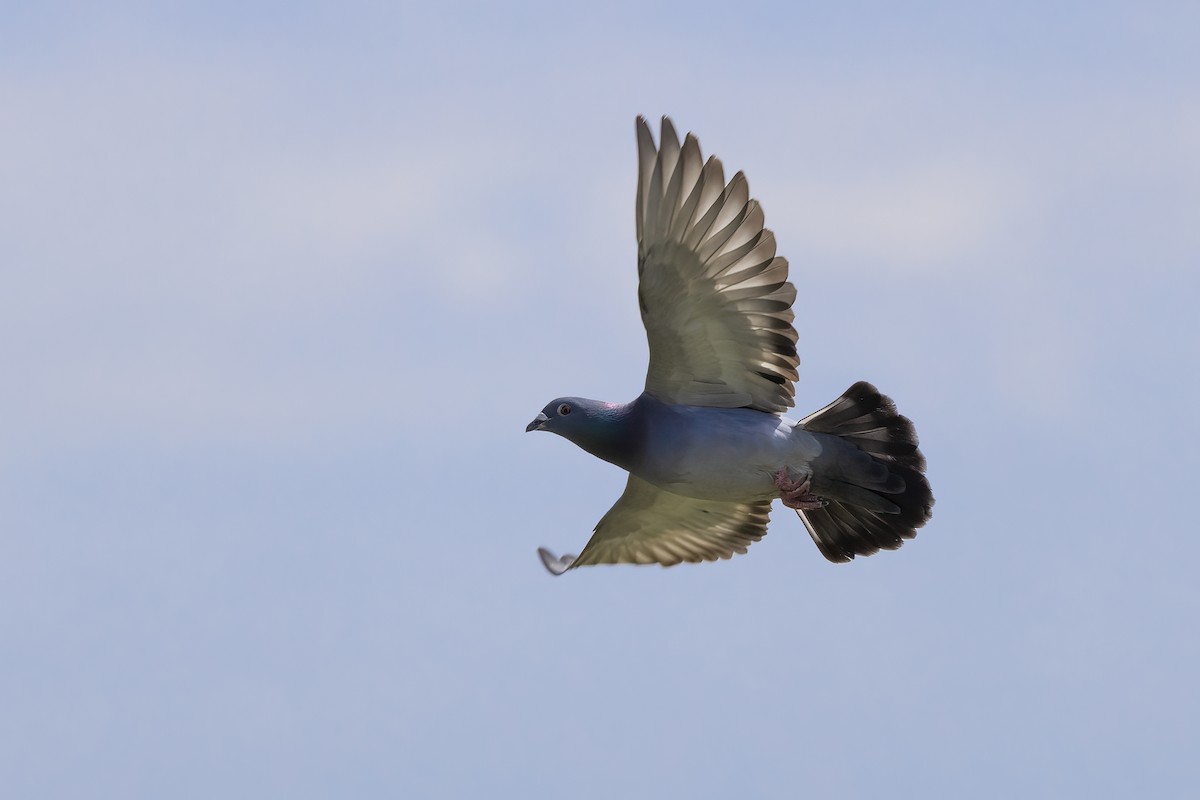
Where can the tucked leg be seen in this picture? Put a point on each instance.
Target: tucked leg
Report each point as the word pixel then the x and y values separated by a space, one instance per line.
pixel 795 493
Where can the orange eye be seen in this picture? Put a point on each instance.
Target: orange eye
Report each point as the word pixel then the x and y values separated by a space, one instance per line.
pixel 563 410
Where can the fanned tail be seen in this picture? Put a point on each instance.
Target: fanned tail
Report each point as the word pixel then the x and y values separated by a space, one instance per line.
pixel 872 474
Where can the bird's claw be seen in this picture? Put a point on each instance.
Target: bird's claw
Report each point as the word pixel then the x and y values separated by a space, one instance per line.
pixel 796 493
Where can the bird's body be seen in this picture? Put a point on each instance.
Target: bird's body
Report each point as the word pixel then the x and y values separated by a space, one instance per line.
pixel 704 453
pixel 721 453
pixel 707 446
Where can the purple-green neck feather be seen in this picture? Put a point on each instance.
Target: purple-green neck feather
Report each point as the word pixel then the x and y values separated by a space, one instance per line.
pixel 612 432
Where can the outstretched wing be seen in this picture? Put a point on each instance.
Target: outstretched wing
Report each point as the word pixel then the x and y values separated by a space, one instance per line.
pixel 650 526
pixel 715 298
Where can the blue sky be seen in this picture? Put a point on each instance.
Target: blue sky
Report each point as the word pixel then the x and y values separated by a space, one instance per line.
pixel 281 285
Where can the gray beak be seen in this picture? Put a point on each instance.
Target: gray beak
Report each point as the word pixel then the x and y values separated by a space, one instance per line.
pixel 538 421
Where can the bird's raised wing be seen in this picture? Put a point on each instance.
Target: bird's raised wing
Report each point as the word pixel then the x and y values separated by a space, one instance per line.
pixel 715 298
pixel 650 526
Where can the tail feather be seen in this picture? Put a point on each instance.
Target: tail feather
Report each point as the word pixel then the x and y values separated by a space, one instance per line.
pixel 876 489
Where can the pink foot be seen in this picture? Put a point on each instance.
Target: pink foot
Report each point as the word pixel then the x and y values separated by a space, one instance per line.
pixel 795 494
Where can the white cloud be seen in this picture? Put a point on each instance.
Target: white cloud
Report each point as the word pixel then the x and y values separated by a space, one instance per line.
pixel 918 217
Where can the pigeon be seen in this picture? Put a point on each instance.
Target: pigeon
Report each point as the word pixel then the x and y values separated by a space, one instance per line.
pixel 706 445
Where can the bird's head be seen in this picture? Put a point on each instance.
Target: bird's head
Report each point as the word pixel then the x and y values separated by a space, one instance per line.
pixel 580 420
pixel 567 415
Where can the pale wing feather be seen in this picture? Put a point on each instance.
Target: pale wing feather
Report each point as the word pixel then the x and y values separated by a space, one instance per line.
pixel 714 296
pixel 650 526
pixel 715 299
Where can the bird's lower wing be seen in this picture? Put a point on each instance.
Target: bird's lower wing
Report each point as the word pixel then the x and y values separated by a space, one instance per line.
pixel 650 526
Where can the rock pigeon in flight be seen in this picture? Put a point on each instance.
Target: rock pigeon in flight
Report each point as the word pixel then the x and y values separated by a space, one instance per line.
pixel 706 444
